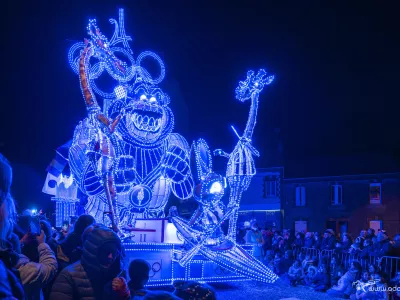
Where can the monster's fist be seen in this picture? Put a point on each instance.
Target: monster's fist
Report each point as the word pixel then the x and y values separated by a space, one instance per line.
pixel 176 165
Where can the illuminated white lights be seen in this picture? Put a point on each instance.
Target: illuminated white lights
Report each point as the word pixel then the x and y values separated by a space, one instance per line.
pixel 216 188
pixel 120 92
pixel 141 162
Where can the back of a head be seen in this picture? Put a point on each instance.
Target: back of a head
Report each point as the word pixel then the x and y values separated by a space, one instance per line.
pixel 139 270
pixel 7 206
pixel 82 223
pixel 98 242
pixel 89 230
pixel 192 290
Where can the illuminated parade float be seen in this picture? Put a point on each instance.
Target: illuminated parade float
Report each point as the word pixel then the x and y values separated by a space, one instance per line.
pixel 126 159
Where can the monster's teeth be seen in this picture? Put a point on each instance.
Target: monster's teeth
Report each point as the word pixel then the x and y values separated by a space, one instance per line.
pixel 151 121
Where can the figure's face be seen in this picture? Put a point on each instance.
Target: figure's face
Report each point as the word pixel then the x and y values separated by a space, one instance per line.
pixel 363 233
pixel 146 120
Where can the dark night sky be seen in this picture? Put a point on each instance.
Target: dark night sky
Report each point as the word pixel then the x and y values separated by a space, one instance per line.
pixel 336 67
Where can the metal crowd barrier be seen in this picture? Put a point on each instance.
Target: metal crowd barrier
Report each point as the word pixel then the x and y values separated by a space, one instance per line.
pixel 390 265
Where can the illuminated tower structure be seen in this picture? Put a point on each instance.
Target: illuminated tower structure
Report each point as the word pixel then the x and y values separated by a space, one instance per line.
pixel 65 200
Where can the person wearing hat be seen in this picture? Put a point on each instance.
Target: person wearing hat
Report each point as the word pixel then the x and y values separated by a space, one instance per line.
pixel 383 246
pixel 329 240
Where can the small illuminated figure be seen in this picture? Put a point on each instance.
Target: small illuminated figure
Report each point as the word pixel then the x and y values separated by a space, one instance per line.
pixel 203 234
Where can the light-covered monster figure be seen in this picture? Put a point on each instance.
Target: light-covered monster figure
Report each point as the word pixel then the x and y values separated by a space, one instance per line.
pixel 125 158
pixel 203 234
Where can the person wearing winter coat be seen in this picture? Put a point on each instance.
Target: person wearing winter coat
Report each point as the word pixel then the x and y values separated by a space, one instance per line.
pixel 37 265
pixel 329 241
pixel 378 289
pixel 382 246
pixel 310 276
pixel 254 237
pixel 345 284
pixel 321 279
pixel 91 277
pixel 295 273
pixel 70 249
pixel 317 241
pixel 336 271
pixel 309 240
pixel 367 249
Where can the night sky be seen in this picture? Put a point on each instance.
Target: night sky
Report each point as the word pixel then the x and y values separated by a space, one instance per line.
pixel 335 93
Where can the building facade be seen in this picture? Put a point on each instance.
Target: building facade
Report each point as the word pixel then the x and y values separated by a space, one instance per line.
pixel 342 203
pixel 262 200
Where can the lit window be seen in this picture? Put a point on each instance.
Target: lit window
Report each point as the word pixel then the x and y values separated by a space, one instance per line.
pixel 336 194
pixel 300 196
pixel 376 225
pixel 375 193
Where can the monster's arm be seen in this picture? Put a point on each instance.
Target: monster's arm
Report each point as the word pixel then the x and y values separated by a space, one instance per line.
pixel 176 167
pixel 83 158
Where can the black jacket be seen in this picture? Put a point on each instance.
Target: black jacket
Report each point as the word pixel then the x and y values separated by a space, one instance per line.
pixel 87 279
pixel 328 243
pixel 382 248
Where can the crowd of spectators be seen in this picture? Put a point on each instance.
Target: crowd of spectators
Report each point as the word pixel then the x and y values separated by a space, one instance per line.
pixel 366 267
pixel 85 261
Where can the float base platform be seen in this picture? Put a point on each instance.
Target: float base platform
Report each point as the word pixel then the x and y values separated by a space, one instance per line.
pixel 165 269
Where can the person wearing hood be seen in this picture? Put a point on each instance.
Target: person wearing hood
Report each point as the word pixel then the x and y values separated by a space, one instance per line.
pixel 70 249
pixel 329 241
pixel 382 246
pixel 91 277
pixel 254 237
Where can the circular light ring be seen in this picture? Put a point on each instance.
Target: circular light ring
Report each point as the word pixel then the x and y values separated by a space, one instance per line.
pixel 145 73
pixel 99 92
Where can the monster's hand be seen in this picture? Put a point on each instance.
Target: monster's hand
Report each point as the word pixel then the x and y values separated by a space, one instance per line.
pixel 176 165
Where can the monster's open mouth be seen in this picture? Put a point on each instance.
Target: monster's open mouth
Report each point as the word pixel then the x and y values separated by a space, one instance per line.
pixel 147 120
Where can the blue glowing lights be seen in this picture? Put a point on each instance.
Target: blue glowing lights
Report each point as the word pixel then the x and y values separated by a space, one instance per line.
pixel 128 161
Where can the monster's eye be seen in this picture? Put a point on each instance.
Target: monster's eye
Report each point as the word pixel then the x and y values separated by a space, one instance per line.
pixel 143 97
pixel 153 99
